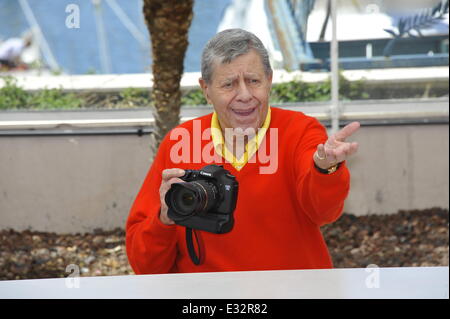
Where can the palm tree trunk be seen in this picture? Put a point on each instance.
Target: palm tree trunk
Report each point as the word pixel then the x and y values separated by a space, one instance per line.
pixel 168 22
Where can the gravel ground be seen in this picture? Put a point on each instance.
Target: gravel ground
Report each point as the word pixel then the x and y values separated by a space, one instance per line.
pixel 407 238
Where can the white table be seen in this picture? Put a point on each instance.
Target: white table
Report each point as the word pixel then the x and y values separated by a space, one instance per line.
pixel 405 282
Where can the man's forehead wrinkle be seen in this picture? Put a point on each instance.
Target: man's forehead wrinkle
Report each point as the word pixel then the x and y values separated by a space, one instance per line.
pixel 249 67
pixel 233 76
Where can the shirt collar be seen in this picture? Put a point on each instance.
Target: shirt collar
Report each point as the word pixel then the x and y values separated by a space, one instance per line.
pixel 251 147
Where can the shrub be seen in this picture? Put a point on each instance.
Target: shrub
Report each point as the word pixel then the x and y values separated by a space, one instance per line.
pixel 54 99
pixel 193 97
pixel 12 96
pixel 132 97
pixel 298 91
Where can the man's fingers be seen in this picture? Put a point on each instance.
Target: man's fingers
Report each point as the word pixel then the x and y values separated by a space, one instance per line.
pixel 165 186
pixel 343 151
pixel 353 148
pixel 321 155
pixel 340 153
pixel 172 172
pixel 168 183
pixel 331 155
pixel 174 180
pixel 346 131
pixel 170 176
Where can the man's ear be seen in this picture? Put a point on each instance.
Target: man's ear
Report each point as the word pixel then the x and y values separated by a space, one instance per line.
pixel 204 87
pixel 270 78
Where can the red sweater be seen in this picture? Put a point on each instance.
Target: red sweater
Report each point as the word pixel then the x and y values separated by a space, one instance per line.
pixel 277 217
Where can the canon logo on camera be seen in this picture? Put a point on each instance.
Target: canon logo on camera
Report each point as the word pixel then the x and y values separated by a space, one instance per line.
pixel 205 173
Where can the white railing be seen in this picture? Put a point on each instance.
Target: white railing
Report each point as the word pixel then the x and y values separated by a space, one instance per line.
pixel 356 283
pixel 370 110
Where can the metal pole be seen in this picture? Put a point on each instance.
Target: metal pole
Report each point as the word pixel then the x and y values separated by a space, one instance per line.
pixel 129 25
pixel 42 42
pixel 101 34
pixel 334 57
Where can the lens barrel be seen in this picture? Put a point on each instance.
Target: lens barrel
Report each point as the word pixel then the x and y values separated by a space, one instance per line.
pixel 192 198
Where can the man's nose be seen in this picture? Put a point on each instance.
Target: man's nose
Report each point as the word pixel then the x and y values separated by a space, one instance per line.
pixel 243 94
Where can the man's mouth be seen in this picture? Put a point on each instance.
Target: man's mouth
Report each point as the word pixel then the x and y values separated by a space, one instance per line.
pixel 244 112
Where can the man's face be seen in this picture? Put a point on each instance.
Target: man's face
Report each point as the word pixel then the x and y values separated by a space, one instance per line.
pixel 239 92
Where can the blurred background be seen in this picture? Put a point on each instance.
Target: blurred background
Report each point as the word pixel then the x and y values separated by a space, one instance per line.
pixel 77 120
pixel 79 50
pixel 111 36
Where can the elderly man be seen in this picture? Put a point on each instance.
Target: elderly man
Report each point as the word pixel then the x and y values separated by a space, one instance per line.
pixel 279 211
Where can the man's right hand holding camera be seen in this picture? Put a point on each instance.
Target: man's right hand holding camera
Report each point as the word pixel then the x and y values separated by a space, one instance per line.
pixel 169 176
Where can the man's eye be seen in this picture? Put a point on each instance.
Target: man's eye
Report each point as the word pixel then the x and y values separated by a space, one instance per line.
pixel 254 81
pixel 227 85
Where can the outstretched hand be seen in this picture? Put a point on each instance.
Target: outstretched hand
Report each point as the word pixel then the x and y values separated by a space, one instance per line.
pixel 336 149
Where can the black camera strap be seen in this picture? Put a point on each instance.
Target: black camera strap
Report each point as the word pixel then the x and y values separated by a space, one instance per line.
pixel 190 246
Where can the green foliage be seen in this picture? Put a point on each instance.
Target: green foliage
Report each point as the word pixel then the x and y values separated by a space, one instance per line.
pixel 54 99
pixel 132 97
pixel 57 72
pixel 295 91
pixel 298 91
pixel 193 97
pixel 91 71
pixel 12 96
pixel 352 90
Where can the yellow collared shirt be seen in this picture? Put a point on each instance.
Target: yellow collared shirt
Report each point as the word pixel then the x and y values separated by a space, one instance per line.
pixel 250 149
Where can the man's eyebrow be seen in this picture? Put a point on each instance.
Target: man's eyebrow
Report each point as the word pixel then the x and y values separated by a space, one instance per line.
pixel 234 77
pixel 228 78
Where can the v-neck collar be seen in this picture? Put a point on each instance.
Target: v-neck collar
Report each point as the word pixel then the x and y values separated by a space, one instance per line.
pixel 250 149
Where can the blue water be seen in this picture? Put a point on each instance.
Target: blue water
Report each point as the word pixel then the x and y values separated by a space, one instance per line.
pixel 77 50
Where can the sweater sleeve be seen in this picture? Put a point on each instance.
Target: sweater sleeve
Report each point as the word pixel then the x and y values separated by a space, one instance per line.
pixel 150 244
pixel 320 196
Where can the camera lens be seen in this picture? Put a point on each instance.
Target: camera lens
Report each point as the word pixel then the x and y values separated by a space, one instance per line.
pixel 188 199
pixel 184 201
pixel 191 198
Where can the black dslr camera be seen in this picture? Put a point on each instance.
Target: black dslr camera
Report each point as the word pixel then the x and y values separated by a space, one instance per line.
pixel 205 200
